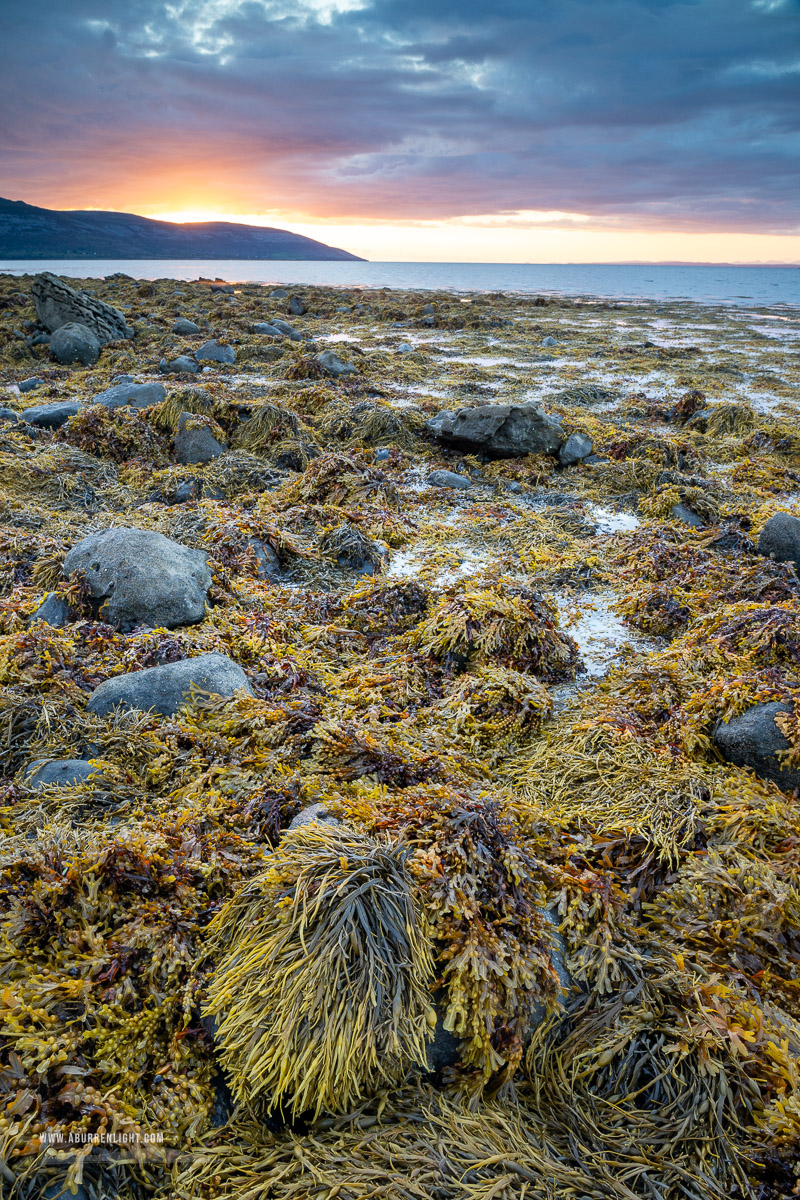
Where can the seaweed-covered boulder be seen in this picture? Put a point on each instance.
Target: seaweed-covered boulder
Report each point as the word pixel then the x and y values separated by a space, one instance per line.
pixel 131 395
pixel 8 414
pixel 63 772
pixel 74 343
pixel 164 689
pixel 50 416
pixel 499 430
pixel 754 740
pixel 780 538
pixel 333 365
pixel 194 442
pixel 142 578
pixel 57 304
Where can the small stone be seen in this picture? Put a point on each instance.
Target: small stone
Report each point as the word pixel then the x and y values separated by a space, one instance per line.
pixel 182 365
pixel 549 341
pixel 164 689
pixel 405 348
pixel 268 565
pixel 185 327
pixel 63 772
pixel 74 343
pixel 225 289
pixel 448 479
pixel 288 330
pixel 194 442
pixel 8 414
pixel 214 352
pixel 50 416
pixel 131 395
pixel 382 455
pixel 428 310
pixel 296 307
pixel 278 294
pixel 124 379
pixel 780 539
pixel 754 740
pixel 515 486
pixel 41 339
pixel 313 812
pixel 28 385
pixel 264 327
pixel 54 610
pixel 687 516
pixel 333 365
pixel 576 447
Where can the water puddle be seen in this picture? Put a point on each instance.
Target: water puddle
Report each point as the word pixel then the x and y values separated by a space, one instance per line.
pixel 608 521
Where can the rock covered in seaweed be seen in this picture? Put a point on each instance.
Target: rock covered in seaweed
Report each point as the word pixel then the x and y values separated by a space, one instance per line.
pixel 164 689
pixel 499 430
pixel 139 577
pixel 194 442
pixel 755 740
pixel 60 773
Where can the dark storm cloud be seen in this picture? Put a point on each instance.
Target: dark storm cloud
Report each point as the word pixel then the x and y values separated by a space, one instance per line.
pixel 678 112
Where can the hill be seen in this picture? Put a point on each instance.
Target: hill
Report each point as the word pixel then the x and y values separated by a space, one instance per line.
pixel 30 232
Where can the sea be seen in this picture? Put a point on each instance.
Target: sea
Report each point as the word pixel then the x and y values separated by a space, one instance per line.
pixel 727 285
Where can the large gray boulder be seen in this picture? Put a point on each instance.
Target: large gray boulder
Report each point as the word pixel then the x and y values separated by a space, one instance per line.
pixel 57 304
pixel 194 442
pixel 267 328
pixel 142 578
pixel 182 365
pixel 131 395
pixel 499 430
pixel 214 352
pixel 50 416
pixel 164 689
pixel 185 326
pixel 780 538
pixel 754 740
pixel 74 343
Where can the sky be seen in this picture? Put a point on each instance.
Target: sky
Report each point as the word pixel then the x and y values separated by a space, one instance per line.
pixel 437 130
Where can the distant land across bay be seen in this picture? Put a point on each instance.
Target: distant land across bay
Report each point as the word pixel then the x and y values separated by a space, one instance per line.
pixel 27 232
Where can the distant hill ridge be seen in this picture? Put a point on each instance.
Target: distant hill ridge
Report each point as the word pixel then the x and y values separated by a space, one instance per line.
pixel 30 232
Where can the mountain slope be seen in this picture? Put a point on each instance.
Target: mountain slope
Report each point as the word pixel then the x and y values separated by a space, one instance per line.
pixel 29 232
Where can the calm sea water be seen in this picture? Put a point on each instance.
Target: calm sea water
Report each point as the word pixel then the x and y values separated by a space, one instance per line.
pixel 706 284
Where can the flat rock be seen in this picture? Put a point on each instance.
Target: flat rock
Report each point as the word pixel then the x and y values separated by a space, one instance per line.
pixel 754 740
pixel 142 578
pixel 687 516
pixel 313 812
pixel 265 327
pixel 576 447
pixel 182 365
pixel 57 304
pixel 289 331
pixel 63 772
pixel 8 414
pixel 332 364
pixel 214 352
pixel 780 538
pixel 75 343
pixel 499 430
pixel 131 395
pixel 185 326
pixel 194 442
pixel 50 416
pixel 28 385
pixel 54 610
pixel 448 479
pixel 164 689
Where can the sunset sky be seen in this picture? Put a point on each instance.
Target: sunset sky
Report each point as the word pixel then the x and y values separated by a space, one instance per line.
pixel 499 130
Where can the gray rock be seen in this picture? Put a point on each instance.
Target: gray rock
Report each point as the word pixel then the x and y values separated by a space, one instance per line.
pixel 74 343
pixel 687 516
pixel 57 304
pixel 8 414
pixel 194 442
pixel 142 578
pixel 268 563
pixel 267 328
pixel 50 416
pixel 296 307
pixel 289 331
pixel 214 352
pixel 382 455
pixel 131 395
pixel 549 341
pixel 41 339
pixel 405 348
pixel 780 538
pixel 313 812
pixel 428 310
pixel 278 294
pixel 63 772
pixel 515 486
pixel 754 740
pixel 28 385
pixel 124 379
pixel 182 365
pixel 499 430
pixel 184 326
pixel 576 447
pixel 54 610
pixel 448 479
pixel 164 689
pixel 333 365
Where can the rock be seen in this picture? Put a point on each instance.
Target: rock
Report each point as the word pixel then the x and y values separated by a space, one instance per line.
pixel 382 455
pixel 754 740
pixel 74 343
pixel 576 447
pixel 225 288
pixel 184 326
pixel 313 812
pixel 8 414
pixel 28 385
pixel 214 352
pixel 50 416
pixel 194 442
pixel 428 310
pixel 448 479
pixel 54 610
pixel 499 430
pixel 296 307
pixel 289 331
pixel 164 689
pixel 268 563
pixel 444 1050
pixel 333 365
pixel 58 305
pixel 142 578
pixel 182 365
pixel 265 327
pixel 131 395
pixel 41 339
pixel 549 341
pixel 278 294
pixel 687 516
pixel 780 538
pixel 63 772
pixel 405 348
pixel 124 379
pixel 515 486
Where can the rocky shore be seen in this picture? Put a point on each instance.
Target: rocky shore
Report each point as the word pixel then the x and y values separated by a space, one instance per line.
pixel 398 699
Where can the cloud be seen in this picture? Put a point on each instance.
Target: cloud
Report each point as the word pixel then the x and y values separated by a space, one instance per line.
pixel 658 113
